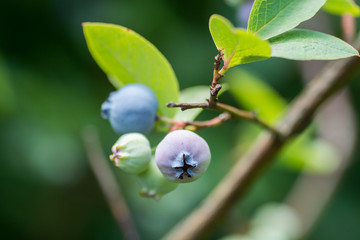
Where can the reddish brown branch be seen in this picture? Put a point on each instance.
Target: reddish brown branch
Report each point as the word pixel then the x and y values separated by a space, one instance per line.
pixel 210 123
pixel 233 111
pixel 196 125
pixel 213 95
pixel 250 116
pixel 227 63
pixel 186 106
pixel 216 76
pixel 312 192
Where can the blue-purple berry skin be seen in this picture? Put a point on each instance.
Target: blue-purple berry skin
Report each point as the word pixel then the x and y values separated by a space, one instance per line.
pixel 132 108
pixel 182 156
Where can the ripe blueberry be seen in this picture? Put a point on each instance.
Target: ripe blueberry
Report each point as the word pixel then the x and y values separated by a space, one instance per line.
pixel 132 108
pixel 182 156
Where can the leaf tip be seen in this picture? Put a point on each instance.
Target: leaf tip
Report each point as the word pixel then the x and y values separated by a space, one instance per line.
pixel 214 15
pixel 218 17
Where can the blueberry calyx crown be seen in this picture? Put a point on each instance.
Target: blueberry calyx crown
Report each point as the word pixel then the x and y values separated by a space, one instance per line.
pixel 184 165
pixel 116 156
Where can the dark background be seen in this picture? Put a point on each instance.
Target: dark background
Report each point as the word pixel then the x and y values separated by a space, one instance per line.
pixel 50 88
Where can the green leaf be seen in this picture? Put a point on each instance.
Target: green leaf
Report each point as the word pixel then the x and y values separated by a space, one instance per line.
pixel 302 44
pixel 341 7
pixel 126 57
pixel 237 45
pixel 196 94
pixel 269 18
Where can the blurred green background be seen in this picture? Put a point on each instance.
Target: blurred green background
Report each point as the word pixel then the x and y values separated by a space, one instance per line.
pixel 50 88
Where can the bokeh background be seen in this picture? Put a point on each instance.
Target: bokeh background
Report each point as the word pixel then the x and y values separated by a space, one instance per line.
pixel 51 88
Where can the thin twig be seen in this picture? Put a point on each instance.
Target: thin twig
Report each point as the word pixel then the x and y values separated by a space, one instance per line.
pixel 186 106
pixel 215 86
pixel 202 220
pixel 108 184
pixel 216 75
pixel 212 122
pixel 196 125
pixel 214 91
pixel 227 63
pixel 233 111
pixel 251 116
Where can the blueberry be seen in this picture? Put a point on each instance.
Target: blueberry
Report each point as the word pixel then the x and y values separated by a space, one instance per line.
pixel 153 183
pixel 182 156
pixel 131 153
pixel 132 108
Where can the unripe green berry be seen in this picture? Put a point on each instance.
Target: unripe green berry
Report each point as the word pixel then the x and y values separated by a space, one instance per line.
pixel 131 153
pixel 153 183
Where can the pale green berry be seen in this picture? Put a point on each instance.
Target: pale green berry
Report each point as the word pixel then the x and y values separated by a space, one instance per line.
pixel 153 183
pixel 131 153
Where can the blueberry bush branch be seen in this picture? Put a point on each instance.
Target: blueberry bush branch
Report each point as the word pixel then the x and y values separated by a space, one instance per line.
pixel 202 220
pixel 273 37
pixel 195 125
pixel 218 74
pixel 251 116
pixel 223 117
pixel 185 106
pixel 311 193
pixel 233 111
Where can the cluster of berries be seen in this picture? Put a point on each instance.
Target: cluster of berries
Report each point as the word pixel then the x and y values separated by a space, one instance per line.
pixel 182 156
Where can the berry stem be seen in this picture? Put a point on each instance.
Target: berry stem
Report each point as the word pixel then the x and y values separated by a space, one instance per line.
pixel 218 74
pixel 195 125
pixel 212 122
pixel 232 111
pixel 251 116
